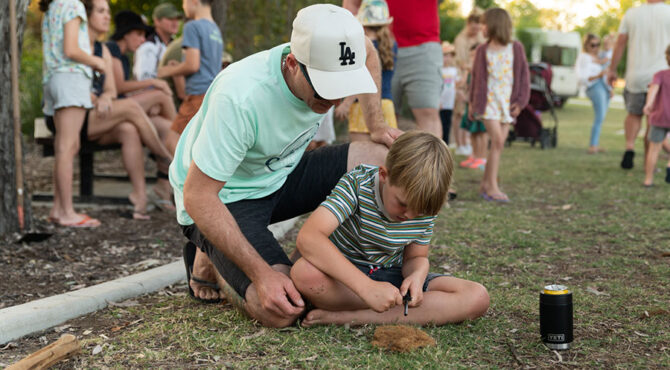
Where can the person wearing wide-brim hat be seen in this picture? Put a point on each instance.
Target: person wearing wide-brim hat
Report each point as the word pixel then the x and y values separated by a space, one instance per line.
pixel 374 13
pixel 374 16
pixel 126 21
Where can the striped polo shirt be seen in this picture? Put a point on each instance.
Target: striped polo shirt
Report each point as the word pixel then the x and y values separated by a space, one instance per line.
pixel 366 235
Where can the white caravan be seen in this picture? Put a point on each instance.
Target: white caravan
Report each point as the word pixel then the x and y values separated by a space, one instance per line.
pixel 560 49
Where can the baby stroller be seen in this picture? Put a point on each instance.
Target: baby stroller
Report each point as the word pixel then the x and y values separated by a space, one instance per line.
pixel 528 125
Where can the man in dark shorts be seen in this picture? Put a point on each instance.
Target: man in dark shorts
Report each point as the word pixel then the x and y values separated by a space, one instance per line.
pixel 645 32
pixel 241 165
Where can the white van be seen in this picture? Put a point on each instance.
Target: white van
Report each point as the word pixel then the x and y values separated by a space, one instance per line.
pixel 560 49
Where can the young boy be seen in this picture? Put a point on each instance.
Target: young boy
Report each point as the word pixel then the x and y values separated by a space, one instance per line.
pixel 203 49
pixel 366 246
pixel 448 96
pixel 657 108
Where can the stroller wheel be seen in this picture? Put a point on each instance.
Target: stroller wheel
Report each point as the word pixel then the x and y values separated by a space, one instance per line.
pixel 546 139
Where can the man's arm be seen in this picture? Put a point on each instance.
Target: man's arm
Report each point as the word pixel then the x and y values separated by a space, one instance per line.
pixel 351 5
pixel 189 66
pixel 371 104
pixel 619 48
pixel 315 246
pixel 213 218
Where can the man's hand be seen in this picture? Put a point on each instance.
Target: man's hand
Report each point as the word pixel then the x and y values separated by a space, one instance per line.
pixel 381 296
pixel 413 284
pixel 611 77
pixel 278 294
pixel 385 135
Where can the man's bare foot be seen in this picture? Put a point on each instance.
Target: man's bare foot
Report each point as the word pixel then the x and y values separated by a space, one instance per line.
pixel 203 269
pixel 323 317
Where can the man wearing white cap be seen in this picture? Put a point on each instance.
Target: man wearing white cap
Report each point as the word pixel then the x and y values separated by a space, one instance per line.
pixel 241 164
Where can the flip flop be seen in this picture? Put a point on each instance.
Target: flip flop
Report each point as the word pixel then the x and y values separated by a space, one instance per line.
pixel 86 222
pixel 489 198
pixel 164 205
pixel 189 258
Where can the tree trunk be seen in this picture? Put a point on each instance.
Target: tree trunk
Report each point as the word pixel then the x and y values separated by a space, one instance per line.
pixel 220 12
pixel 8 199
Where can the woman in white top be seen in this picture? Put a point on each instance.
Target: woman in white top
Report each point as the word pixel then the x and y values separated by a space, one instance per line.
pixel 592 74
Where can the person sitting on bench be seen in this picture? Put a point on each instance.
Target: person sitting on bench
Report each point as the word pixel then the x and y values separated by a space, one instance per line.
pixel 153 95
pixel 121 121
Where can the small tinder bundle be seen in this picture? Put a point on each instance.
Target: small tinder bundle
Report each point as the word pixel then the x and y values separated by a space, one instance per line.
pixel 65 346
pixel 401 338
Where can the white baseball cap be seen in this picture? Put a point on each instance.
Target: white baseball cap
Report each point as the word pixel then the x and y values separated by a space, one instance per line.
pixel 330 42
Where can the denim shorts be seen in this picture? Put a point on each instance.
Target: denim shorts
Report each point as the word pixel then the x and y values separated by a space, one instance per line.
pixel 634 102
pixel 305 188
pixel 418 74
pixel 66 89
pixel 392 275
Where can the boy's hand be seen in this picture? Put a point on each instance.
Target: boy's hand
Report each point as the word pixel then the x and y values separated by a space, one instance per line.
pixel 647 109
pixel 381 296
pixel 413 284
pixel 514 110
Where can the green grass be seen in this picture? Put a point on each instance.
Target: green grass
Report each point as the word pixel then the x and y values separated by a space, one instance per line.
pixel 574 219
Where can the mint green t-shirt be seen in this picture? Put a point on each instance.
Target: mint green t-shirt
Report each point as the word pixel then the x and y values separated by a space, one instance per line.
pixel 250 132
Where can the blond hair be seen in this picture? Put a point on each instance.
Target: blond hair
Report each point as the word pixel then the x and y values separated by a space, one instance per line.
pixel 385 46
pixel 498 24
pixel 421 165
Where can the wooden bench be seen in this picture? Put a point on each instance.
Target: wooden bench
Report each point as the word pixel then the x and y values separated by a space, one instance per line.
pixel 45 138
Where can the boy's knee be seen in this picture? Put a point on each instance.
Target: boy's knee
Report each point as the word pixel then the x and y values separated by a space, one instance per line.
pixel 305 275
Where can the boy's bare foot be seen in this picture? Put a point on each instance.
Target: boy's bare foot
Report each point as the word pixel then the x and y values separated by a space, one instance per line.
pixel 323 317
pixel 203 269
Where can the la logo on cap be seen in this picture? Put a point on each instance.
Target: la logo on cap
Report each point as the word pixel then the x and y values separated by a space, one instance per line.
pixel 346 54
pixel 331 43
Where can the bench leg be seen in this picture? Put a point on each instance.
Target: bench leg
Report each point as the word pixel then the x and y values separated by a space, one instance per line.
pixel 85 174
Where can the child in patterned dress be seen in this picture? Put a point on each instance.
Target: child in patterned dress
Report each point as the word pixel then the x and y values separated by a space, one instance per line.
pixel 500 90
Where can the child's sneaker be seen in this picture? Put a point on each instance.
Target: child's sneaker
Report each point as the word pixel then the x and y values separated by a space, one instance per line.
pixel 479 163
pixel 466 163
pixel 667 175
pixel 468 149
pixel 461 150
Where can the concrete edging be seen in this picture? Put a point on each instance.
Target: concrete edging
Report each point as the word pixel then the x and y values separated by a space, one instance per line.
pixel 21 320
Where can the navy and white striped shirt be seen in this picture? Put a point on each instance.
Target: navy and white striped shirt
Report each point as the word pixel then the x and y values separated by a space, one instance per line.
pixel 365 235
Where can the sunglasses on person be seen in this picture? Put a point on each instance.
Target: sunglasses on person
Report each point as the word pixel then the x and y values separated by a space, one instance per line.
pixel 304 72
pixel 595 44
